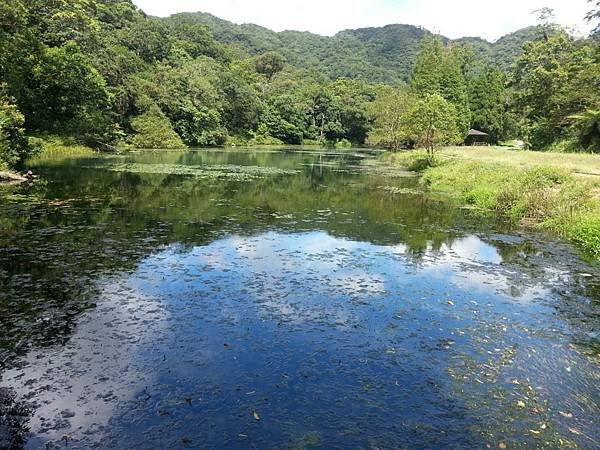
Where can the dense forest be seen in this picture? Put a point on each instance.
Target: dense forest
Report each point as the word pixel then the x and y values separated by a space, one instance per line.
pixel 376 55
pixel 102 72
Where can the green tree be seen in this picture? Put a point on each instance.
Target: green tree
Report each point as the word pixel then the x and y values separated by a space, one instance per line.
pixel 67 94
pixel 189 96
pixel 587 125
pixel 153 130
pixel 148 38
pixel 269 64
pixel 387 113
pixel 14 145
pixel 19 47
pixel 554 79
pixel 197 40
pixel 432 122
pixel 488 100
pixel 57 22
pixel 352 98
pixel 241 104
pixel 439 70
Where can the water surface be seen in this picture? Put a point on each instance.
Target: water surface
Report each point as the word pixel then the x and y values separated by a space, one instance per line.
pixel 283 299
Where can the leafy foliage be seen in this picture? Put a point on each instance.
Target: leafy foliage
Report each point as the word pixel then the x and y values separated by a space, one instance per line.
pixel 66 92
pixel 555 78
pixel 587 125
pixel 388 113
pixel 14 145
pixel 269 64
pixel 438 71
pixel 489 104
pixel 433 122
pixel 153 130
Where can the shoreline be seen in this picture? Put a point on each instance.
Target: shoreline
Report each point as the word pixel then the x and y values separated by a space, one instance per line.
pixel 538 190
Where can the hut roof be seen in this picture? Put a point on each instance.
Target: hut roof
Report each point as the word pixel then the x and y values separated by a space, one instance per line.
pixel 473 132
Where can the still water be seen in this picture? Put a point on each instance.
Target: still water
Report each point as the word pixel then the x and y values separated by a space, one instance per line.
pixel 283 299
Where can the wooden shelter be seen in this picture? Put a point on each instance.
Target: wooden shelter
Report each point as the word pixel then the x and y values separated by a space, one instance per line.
pixel 476 137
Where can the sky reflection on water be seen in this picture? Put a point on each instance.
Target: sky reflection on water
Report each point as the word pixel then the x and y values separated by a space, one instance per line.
pixel 173 313
pixel 328 339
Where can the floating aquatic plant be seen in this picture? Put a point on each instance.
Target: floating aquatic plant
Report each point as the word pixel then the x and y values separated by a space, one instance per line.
pixel 240 173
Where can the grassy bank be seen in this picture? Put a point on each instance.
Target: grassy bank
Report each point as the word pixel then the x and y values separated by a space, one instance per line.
pixel 556 192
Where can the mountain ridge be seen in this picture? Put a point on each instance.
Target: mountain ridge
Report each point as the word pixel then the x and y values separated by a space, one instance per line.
pixel 376 54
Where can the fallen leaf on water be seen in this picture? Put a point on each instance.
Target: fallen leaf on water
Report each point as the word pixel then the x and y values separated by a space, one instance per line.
pixel 502 445
pixel 521 404
pixel 535 431
pixel 256 416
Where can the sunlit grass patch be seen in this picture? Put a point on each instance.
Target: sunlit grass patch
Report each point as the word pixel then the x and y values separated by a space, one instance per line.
pixel 53 147
pixel 577 163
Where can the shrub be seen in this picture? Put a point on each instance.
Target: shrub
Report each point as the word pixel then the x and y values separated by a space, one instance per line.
pixel 14 145
pixel 154 130
pixel 344 143
pixel 585 232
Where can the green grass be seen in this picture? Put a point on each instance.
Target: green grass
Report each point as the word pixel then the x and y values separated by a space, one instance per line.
pixel 556 192
pixel 57 147
pixel 583 164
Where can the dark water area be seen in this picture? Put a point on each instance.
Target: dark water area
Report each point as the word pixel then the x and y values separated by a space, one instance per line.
pixel 283 299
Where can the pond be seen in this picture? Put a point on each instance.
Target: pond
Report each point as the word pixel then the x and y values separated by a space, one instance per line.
pixel 260 298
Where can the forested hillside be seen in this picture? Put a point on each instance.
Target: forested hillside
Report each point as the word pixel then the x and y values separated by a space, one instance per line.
pixel 102 72
pixel 385 54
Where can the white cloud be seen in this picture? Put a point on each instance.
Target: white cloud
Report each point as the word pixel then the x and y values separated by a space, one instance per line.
pixel 488 19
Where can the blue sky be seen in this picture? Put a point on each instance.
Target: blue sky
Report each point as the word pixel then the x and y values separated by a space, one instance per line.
pixel 452 18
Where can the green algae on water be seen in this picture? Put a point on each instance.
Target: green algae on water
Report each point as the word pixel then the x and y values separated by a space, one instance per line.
pixel 239 173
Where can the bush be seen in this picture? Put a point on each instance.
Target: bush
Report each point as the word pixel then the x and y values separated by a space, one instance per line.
pixel 344 143
pixel 415 161
pixel 154 130
pixel 564 146
pixel 265 140
pixel 14 145
pixel 586 233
